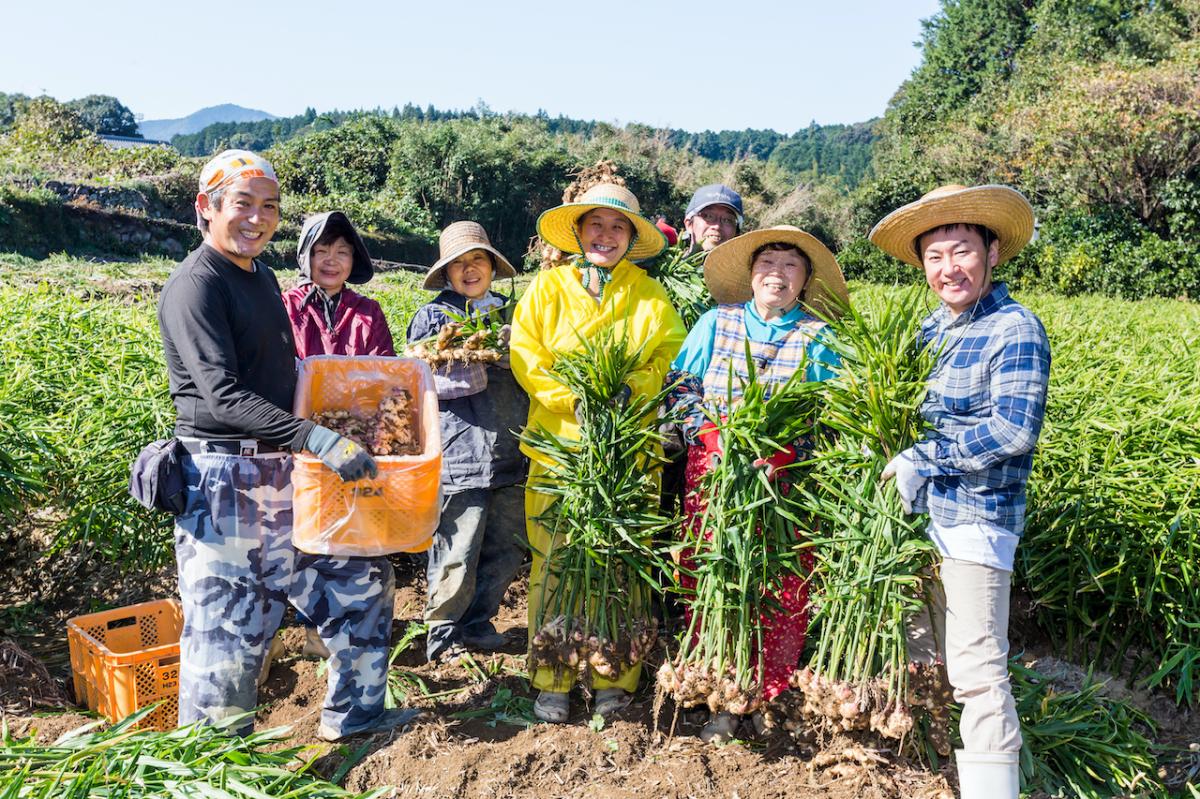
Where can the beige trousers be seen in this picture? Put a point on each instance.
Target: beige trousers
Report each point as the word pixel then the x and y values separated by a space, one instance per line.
pixel 966 625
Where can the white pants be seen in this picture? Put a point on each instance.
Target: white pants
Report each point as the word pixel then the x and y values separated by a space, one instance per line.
pixel 966 625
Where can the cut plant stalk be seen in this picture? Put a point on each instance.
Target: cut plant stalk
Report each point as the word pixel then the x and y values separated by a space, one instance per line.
pixel 743 547
pixel 197 760
pixel 592 612
pixel 1080 742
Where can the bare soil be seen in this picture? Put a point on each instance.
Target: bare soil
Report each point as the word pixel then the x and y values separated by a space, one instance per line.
pixel 475 736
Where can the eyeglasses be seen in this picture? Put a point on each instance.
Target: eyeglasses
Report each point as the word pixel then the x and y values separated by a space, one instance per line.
pixel 717 218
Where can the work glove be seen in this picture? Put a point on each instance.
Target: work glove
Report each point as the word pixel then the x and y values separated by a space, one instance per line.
pixel 348 459
pixel 908 482
pixel 773 463
pixel 503 337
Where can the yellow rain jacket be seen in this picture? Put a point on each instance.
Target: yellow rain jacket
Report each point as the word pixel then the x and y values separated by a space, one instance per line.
pixel 556 310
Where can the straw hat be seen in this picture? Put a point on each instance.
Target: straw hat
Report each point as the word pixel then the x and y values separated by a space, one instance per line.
pixel 558 227
pixel 1001 209
pixel 727 269
pixel 458 239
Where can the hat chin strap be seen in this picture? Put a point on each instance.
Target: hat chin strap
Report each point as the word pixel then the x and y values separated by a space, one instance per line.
pixel 603 274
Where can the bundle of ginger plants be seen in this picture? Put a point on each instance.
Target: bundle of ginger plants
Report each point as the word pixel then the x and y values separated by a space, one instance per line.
pixel 468 338
pixel 592 610
pixel 743 549
pixel 873 561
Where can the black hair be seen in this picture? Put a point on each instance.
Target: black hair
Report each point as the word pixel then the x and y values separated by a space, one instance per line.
pixel 333 232
pixel 985 233
pixel 783 246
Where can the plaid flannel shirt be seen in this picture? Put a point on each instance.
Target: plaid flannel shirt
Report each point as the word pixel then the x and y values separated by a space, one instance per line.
pixel 986 401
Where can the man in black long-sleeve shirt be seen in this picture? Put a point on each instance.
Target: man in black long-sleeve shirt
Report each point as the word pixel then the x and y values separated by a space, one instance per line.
pixel 231 364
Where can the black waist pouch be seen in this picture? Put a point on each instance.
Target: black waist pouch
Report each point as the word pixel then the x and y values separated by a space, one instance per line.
pixel 156 476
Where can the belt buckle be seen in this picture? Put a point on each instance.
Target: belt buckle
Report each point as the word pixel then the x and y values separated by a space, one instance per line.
pixel 248 447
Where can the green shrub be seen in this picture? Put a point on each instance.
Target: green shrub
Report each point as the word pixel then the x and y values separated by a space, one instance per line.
pixel 1181 196
pixel 497 172
pixel 382 212
pixel 862 260
pixel 49 140
pixel 353 157
pixel 1111 253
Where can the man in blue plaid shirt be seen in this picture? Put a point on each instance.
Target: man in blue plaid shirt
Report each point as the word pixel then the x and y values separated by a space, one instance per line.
pixel 985 403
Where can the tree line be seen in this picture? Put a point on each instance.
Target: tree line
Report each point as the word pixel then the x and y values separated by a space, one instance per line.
pixel 1089 107
pixel 843 151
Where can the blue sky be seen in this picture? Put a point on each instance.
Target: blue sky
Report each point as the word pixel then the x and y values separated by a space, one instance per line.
pixel 700 65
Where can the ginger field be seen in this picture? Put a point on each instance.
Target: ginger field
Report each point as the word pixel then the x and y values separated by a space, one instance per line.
pixel 1108 574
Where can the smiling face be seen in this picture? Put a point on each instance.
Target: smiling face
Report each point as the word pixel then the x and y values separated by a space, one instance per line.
pixel 470 274
pixel 245 221
pixel 958 266
pixel 330 263
pixel 605 235
pixel 777 277
pixel 712 225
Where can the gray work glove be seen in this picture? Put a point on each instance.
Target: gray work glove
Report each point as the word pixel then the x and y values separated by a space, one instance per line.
pixel 348 459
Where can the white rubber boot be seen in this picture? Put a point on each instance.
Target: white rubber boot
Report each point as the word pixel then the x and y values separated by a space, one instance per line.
pixel 988 775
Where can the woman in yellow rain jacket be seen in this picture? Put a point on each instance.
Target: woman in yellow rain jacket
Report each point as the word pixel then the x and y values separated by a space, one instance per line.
pixel 600 289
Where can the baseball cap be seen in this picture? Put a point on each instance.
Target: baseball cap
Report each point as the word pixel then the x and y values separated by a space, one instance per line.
pixel 714 194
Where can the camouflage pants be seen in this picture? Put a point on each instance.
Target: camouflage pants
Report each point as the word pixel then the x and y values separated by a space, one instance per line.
pixel 238 570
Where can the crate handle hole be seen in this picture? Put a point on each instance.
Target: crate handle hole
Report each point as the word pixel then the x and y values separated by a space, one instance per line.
pixel 127 621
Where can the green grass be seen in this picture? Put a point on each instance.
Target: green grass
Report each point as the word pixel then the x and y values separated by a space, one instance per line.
pixel 1112 547
pixel 82 273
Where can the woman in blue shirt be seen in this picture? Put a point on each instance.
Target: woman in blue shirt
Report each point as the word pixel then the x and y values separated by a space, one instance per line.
pixel 771 287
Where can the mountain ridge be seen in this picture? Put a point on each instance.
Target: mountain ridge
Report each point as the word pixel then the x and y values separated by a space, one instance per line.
pixel 166 129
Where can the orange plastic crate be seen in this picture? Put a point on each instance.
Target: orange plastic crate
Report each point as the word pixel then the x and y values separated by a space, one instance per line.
pixel 399 510
pixel 128 658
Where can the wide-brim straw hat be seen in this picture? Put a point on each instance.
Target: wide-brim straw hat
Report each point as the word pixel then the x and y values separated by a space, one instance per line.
pixel 727 269
pixel 559 227
pixel 459 239
pixel 1001 209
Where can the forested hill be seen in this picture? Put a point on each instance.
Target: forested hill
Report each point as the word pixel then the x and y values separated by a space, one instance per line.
pixel 819 150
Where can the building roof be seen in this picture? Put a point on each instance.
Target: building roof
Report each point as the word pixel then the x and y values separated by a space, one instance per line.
pixel 130 141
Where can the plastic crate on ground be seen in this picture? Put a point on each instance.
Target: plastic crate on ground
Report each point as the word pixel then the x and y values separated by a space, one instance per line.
pixel 125 659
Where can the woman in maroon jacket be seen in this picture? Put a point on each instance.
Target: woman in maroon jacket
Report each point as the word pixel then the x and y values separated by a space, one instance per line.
pixel 328 318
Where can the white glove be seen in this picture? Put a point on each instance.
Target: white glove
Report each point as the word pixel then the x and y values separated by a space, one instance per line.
pixel 908 482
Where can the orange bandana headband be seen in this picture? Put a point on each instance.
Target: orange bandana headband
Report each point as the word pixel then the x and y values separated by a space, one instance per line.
pixel 233 165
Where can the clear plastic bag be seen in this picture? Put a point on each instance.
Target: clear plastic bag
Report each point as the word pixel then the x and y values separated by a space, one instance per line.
pixel 398 511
